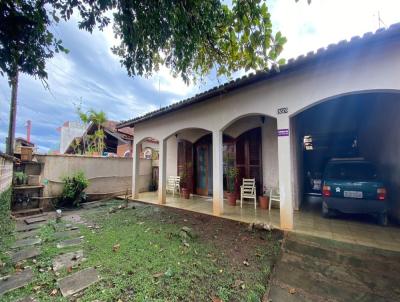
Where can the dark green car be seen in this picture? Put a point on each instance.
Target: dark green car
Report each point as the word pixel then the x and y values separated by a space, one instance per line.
pixel 351 185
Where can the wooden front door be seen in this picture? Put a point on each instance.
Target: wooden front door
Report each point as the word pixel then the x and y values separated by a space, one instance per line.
pixel 202 168
pixel 248 157
pixel 185 163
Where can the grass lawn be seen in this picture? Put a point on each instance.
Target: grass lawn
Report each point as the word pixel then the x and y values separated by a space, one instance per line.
pixel 153 260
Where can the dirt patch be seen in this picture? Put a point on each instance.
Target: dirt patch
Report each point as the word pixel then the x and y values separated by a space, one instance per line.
pixel 231 238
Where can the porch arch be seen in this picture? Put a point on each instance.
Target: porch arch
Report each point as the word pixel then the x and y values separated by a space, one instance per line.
pixel 367 117
pixel 317 101
pixel 244 115
pixel 189 133
pixel 144 168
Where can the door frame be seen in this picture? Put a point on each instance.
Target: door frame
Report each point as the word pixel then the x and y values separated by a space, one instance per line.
pixel 202 191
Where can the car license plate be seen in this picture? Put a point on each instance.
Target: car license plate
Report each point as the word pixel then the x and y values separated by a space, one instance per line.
pixel 353 194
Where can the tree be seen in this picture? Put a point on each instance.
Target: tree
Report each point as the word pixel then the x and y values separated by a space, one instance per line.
pixel 190 37
pixel 95 141
pixel 25 44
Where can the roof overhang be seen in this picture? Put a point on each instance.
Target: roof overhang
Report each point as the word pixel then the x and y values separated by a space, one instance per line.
pixel 332 51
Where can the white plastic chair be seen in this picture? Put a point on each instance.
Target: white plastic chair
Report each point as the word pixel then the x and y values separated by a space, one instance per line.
pixel 174 184
pixel 274 195
pixel 248 191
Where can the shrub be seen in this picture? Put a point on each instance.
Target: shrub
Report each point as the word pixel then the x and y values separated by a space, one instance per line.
pixel 74 186
pixel 20 178
pixel 6 224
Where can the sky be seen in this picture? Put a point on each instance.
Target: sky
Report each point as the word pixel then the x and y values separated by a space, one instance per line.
pixel 92 76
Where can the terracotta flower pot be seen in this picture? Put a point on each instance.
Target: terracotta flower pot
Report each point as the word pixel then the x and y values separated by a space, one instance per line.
pixel 185 193
pixel 231 198
pixel 264 202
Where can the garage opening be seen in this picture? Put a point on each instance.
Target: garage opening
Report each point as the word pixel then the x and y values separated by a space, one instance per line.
pixel 360 127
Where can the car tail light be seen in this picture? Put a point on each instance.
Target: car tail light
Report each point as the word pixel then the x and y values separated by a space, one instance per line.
pixel 381 193
pixel 326 191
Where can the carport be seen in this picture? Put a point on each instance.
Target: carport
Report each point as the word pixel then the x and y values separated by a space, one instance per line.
pixel 359 124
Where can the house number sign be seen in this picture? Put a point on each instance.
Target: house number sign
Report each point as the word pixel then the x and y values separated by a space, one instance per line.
pixel 283 110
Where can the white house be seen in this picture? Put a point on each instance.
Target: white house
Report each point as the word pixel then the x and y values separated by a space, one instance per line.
pixel 347 93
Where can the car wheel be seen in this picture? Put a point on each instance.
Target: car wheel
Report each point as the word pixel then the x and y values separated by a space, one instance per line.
pixel 326 212
pixel 383 219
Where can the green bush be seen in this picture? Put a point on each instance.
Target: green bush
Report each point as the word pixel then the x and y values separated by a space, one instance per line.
pixel 6 224
pixel 72 193
pixel 20 178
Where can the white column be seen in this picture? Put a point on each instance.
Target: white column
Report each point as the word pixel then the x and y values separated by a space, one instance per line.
pixel 162 172
pixel 285 173
pixel 218 187
pixel 172 156
pixel 269 153
pixel 135 170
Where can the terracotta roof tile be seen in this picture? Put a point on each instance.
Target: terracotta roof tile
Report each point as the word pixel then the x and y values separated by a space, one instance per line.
pixel 383 33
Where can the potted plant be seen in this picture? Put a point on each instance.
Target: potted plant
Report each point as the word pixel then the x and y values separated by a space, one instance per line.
pixel 184 189
pixel 231 176
pixel 264 199
pixel 20 178
pixel 153 185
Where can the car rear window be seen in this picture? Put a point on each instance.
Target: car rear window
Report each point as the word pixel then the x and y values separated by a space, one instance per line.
pixel 351 171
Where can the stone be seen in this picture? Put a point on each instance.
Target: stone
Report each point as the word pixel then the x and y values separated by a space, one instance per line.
pixel 15 281
pixel 31 220
pixel 27 234
pixel 188 231
pixel 27 299
pixel 23 227
pixel 66 234
pixel 93 205
pixel 26 253
pixel 259 226
pixel 67 260
pixel 26 242
pixel 69 242
pixel 78 281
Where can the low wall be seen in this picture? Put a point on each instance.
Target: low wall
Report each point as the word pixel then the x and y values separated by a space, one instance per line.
pixel 107 175
pixel 6 172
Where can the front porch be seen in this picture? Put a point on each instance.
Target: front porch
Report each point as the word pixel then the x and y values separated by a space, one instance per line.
pixel 306 222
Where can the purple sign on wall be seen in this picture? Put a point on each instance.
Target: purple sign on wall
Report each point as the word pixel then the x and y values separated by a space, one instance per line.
pixel 283 132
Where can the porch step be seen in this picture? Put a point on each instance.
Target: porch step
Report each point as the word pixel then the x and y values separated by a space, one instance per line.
pixel 27 212
pixel 315 269
pixel 332 249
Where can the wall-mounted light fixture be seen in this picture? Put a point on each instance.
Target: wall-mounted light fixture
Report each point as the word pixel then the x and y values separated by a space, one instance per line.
pixel 263 119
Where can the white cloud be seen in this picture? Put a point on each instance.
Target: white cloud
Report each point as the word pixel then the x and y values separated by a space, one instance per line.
pixel 309 27
pixel 164 81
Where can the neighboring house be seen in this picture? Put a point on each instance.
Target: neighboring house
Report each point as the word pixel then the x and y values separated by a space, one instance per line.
pixel 68 131
pixel 117 142
pixel 22 142
pixel 281 127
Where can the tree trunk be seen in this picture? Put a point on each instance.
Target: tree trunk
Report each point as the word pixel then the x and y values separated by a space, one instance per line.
pixel 13 114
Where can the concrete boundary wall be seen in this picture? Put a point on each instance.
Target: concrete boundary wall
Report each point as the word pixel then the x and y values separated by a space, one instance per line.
pixel 6 172
pixel 107 175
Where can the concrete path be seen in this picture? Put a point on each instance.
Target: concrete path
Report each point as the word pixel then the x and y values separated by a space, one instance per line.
pixel 69 242
pixel 66 234
pixel 67 260
pixel 26 242
pixel 27 253
pixel 78 281
pixel 316 269
pixel 15 281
